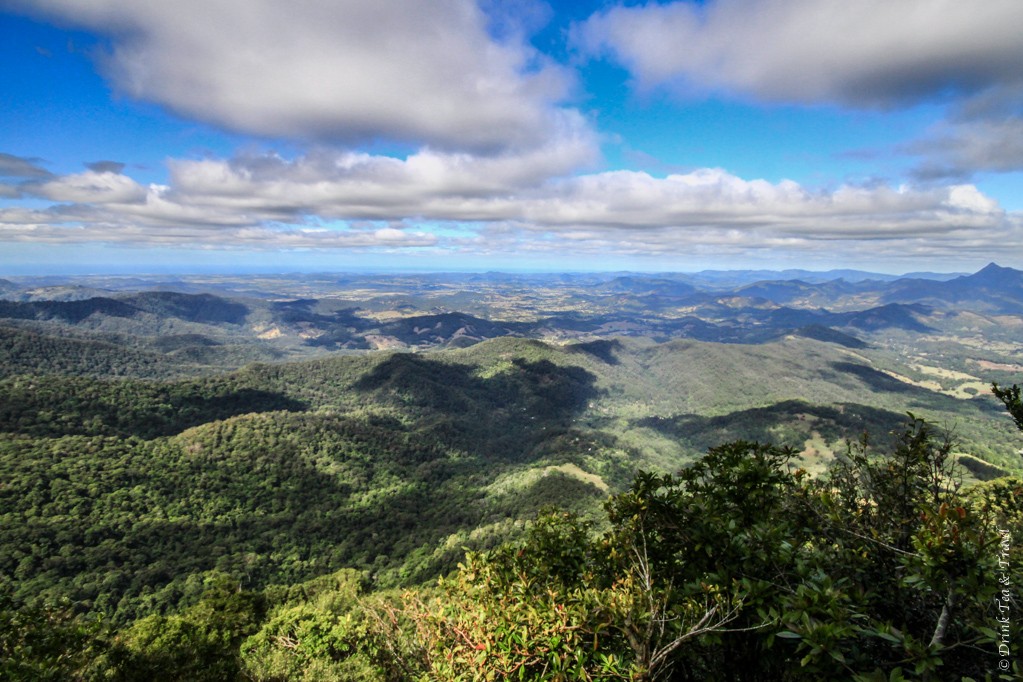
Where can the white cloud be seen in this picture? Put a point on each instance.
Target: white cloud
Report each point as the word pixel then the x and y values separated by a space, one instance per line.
pixel 461 204
pixel 425 73
pixel 969 198
pixel 356 185
pixel 90 187
pixel 863 53
pixel 714 200
pixel 866 54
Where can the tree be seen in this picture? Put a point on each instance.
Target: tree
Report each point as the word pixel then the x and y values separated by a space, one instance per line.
pixel 551 607
pixel 199 644
pixel 41 641
pixel 317 633
pixel 724 525
pixel 1010 397
pixel 903 563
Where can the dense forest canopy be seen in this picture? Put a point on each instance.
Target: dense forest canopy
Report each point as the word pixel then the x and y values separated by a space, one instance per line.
pixel 746 500
pixel 739 567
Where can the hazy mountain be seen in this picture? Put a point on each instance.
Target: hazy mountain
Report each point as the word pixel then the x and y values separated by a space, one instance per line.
pixel 69 292
pixel 646 286
pixel 993 289
pixel 367 312
pixel 731 279
pixel 895 315
pixel 807 294
pixel 7 287
pixel 829 335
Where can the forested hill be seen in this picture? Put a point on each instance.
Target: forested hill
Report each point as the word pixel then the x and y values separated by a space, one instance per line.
pixel 238 480
pixel 117 493
pixel 214 546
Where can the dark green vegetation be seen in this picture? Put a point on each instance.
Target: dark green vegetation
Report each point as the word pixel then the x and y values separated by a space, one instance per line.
pixel 117 492
pixel 165 514
pixel 737 568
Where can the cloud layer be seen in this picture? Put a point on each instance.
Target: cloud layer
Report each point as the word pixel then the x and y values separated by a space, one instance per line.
pixel 501 163
pixel 873 54
pixel 423 73
pixel 487 206
pixel 863 53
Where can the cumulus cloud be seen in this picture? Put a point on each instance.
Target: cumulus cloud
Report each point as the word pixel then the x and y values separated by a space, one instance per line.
pixel 871 53
pixel 424 73
pixel 456 203
pixel 865 54
pixel 353 185
pixel 708 205
pixel 89 187
pixel 16 172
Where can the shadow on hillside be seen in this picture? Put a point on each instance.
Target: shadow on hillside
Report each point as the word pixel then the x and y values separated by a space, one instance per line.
pixel 189 411
pixel 65 406
pixel 289 521
pixel 786 423
pixel 202 308
pixel 879 382
pixel 71 312
pixel 504 415
pixel 602 349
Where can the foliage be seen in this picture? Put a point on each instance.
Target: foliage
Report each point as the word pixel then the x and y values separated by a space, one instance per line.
pixel 1010 397
pixel 909 560
pixel 42 641
pixel 737 568
pixel 120 494
pixel 188 512
pixel 201 643
pixel 552 607
pixel 316 634
pixel 23 351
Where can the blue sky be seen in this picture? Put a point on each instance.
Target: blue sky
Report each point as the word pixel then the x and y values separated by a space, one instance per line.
pixel 255 135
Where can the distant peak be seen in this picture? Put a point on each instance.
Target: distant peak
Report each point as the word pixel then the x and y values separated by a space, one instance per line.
pixel 996 276
pixel 994 270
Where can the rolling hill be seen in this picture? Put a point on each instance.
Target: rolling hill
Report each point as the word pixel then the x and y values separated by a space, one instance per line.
pixel 148 437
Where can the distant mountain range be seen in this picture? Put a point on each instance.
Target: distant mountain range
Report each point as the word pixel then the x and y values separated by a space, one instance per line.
pixel 231 318
pixel 738 278
pixel 992 289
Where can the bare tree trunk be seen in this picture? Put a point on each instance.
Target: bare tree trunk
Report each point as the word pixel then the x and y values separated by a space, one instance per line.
pixel 938 638
pixel 653 644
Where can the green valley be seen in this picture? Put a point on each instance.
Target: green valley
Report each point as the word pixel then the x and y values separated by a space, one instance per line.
pixel 157 451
